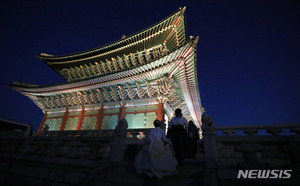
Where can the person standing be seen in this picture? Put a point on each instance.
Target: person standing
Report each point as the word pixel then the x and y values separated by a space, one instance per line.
pixel 193 132
pixel 45 129
pixel 156 158
pixel 118 146
pixel 178 133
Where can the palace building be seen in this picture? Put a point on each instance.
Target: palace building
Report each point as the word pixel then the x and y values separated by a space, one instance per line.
pixel 142 77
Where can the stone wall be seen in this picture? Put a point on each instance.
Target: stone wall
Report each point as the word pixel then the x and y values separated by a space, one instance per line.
pixel 228 149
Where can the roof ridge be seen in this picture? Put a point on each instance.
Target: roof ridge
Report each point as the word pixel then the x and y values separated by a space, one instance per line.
pixel 45 57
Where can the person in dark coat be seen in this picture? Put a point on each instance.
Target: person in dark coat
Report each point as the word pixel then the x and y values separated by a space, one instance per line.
pixel 118 146
pixel 193 132
pixel 178 133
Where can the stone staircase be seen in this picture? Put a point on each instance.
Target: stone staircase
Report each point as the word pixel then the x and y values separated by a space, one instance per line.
pixel 188 173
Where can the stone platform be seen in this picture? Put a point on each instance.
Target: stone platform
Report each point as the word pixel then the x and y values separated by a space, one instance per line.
pixel 83 158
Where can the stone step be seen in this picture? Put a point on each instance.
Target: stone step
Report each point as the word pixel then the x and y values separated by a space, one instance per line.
pixel 189 173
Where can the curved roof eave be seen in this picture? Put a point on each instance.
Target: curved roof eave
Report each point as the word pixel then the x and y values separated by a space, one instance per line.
pixel 47 57
pixel 32 89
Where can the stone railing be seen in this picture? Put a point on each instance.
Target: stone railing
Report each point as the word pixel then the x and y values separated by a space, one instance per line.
pixel 257 146
pixel 273 130
pixel 82 133
pixel 60 146
pixel 137 135
pixel 72 143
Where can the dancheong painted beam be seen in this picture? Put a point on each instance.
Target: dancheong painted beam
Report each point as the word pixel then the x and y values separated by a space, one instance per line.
pixel 143 77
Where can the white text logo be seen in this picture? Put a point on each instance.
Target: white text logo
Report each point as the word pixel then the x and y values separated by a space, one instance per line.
pixel 270 174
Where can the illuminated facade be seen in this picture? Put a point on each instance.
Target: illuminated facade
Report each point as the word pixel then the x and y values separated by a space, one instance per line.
pixel 143 77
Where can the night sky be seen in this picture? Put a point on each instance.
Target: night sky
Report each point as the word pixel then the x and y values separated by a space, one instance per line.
pixel 248 51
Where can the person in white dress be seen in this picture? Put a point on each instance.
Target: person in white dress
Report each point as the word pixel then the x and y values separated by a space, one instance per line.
pixel 156 158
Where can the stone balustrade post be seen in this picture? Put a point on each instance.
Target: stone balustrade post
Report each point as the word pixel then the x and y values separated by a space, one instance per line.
pixel 210 150
pixel 209 137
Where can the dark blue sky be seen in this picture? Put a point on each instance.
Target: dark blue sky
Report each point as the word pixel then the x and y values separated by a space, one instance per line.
pixel 248 51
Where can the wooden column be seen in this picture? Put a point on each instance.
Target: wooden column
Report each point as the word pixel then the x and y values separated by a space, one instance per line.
pixel 64 120
pixel 42 124
pixel 160 111
pixel 122 113
pixel 100 119
pixel 80 120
